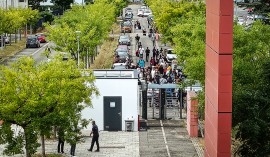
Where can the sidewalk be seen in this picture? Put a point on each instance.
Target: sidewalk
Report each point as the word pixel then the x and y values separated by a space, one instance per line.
pixel 112 144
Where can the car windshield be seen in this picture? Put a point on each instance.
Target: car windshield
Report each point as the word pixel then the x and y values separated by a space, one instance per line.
pixel 127 23
pixel 122 53
pixel 123 37
pixel 31 39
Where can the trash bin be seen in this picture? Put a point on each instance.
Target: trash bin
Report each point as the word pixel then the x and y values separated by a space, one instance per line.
pixel 129 125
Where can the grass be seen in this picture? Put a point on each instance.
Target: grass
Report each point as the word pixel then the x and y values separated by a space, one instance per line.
pixel 105 58
pixel 11 50
pixel 116 28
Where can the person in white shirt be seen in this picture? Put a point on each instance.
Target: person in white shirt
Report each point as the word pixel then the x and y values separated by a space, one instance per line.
pixel 141 51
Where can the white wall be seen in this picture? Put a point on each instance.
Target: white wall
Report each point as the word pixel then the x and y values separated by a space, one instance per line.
pixel 127 88
pixel 13 3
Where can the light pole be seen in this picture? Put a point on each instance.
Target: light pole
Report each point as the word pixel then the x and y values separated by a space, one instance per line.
pixel 78 51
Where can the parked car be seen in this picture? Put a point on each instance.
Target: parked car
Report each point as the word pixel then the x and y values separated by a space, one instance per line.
pixel 143 7
pixel 124 40
pixel 128 10
pixel 171 55
pixel 119 66
pixel 122 48
pixel 41 37
pixel 128 16
pixel 32 41
pixel 140 13
pixel 146 13
pixel 123 55
pixel 126 27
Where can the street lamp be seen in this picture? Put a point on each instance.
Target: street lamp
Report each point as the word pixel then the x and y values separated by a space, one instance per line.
pixel 78 51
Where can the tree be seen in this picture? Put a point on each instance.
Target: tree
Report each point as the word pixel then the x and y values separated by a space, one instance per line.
pixel 64 5
pixel 250 90
pixel 93 30
pixel 35 4
pixel 37 97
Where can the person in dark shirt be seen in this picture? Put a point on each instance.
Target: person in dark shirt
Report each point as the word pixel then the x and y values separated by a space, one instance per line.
pixel 95 137
pixel 147 51
pixel 61 140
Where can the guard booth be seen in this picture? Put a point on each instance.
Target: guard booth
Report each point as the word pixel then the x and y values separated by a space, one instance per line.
pixel 161 101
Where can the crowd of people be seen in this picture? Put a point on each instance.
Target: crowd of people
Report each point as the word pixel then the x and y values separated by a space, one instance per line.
pixel 160 69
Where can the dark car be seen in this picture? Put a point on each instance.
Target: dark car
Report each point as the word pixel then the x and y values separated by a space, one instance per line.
pixel 32 41
pixel 124 40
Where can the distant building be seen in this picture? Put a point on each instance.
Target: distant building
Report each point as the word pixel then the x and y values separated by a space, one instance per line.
pixel 5 4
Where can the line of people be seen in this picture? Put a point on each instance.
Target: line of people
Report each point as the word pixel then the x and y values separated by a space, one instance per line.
pixel 160 69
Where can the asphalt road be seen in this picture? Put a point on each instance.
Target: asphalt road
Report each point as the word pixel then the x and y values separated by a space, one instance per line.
pixel 36 53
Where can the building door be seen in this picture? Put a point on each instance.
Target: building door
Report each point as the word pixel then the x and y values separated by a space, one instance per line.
pixel 112 113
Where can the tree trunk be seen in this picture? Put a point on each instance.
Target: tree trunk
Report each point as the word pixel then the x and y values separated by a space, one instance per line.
pixel 20 31
pixel 42 144
pixel 26 143
pixel 54 132
pixel 15 36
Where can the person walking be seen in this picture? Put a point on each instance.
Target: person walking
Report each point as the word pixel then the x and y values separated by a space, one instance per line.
pixel 153 40
pixel 75 137
pixel 61 140
pixel 95 137
pixel 152 61
pixel 141 63
pixel 147 52
pixel 141 51
pixel 137 38
pixel 154 52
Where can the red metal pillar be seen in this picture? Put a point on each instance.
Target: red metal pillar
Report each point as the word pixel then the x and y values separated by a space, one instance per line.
pixel 218 80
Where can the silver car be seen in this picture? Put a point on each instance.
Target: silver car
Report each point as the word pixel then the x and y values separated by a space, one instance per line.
pixel 124 40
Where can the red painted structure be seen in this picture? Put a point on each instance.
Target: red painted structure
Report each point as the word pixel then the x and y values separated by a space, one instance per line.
pixel 218 79
pixel 192 114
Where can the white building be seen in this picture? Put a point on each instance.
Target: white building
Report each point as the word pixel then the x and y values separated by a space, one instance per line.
pixel 5 4
pixel 118 101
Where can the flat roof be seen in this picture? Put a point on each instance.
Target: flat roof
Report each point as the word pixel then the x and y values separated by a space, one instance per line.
pixel 119 74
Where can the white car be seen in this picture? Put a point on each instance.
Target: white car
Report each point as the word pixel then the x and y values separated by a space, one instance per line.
pixel 146 13
pixel 119 66
pixel 143 7
pixel 140 13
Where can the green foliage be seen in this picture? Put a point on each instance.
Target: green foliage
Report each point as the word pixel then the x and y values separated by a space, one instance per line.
pixel 35 4
pixel 250 89
pixel 62 4
pixel 15 18
pixel 38 97
pixel 48 17
pixel 183 25
pixel 93 24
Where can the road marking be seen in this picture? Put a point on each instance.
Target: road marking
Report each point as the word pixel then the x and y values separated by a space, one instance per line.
pixel 39 49
pixel 164 137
